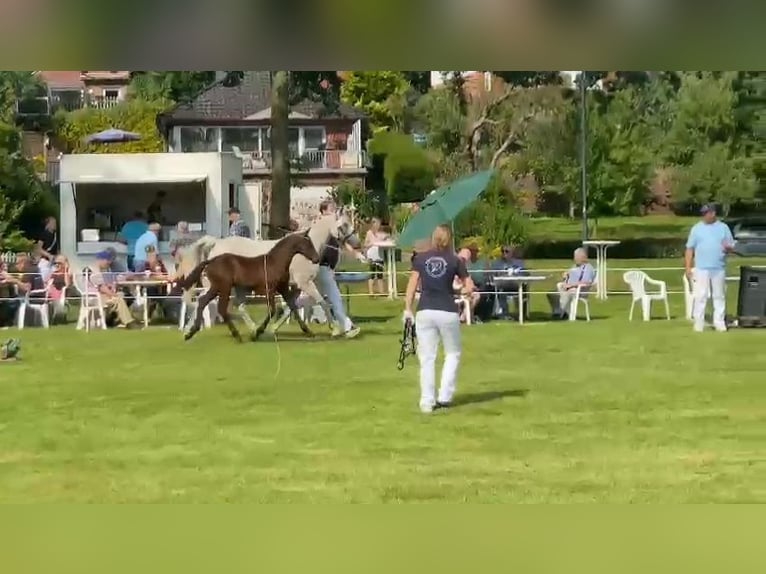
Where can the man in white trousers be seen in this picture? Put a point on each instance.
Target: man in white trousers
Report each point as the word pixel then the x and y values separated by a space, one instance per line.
pixel 710 241
pixel 326 277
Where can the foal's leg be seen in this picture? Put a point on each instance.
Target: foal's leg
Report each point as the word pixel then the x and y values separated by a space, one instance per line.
pixel 202 302
pixel 271 305
pixel 223 311
pixel 240 295
pixel 292 293
pixel 289 296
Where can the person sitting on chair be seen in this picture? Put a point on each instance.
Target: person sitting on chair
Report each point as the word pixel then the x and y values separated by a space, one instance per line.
pixel 102 281
pixel 481 300
pixel 581 275
pixel 510 262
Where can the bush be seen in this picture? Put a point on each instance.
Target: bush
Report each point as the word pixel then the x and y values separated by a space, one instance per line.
pixel 408 171
pixel 645 248
pixel 495 218
pixel 368 204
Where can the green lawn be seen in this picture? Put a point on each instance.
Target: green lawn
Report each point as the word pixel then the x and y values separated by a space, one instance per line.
pixel 560 228
pixel 549 412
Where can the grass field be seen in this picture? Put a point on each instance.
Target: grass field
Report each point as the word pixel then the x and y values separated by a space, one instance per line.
pixel 549 412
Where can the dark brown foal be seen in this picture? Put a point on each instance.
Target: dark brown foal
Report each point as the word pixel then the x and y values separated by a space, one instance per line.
pixel 267 275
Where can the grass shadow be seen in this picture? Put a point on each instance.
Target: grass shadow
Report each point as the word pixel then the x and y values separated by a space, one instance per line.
pixel 488 396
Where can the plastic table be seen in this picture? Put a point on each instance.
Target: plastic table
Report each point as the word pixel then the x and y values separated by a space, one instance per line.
pixel 500 281
pixel 389 256
pixel 601 268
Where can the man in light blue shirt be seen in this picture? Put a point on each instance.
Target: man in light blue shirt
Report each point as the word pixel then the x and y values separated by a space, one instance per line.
pixel 148 239
pixel 130 233
pixel 582 275
pixel 710 241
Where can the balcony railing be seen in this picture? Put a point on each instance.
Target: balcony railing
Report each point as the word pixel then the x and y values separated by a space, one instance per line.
pixel 311 160
pixel 73 103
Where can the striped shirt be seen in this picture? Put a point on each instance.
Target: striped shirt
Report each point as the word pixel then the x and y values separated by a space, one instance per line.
pixel 239 228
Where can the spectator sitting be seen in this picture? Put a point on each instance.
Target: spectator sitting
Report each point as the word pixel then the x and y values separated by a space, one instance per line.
pixel 510 261
pixel 29 276
pixel 102 280
pixel 481 300
pixel 156 269
pixel 58 282
pixel 115 265
pixel 581 275
pixel 9 302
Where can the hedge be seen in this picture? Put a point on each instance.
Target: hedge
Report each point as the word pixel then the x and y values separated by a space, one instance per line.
pixel 644 248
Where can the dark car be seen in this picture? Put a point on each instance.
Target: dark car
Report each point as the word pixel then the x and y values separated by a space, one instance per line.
pixel 750 237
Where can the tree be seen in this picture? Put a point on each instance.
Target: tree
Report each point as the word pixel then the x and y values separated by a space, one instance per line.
pixel 175 86
pixel 289 88
pixel 380 94
pixel 708 155
pixel 15 86
pixel 24 199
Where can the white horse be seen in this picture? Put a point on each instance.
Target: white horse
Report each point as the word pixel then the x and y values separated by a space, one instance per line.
pixel 302 271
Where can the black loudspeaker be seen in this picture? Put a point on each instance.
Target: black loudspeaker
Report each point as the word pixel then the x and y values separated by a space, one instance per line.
pixel 751 303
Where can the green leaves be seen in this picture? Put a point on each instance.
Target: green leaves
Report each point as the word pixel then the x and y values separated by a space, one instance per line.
pixel 134 115
pixel 382 96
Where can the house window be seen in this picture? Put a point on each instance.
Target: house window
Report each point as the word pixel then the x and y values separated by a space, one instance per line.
pixel 312 152
pixel 111 94
pixel 247 140
pixel 199 139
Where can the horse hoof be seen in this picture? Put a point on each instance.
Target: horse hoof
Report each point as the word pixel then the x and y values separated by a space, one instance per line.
pixel 253 338
pixel 188 336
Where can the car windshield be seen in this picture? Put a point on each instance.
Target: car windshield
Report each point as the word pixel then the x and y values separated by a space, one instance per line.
pixel 750 229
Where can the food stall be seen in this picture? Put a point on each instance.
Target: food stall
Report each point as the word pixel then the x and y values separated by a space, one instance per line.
pixel 100 192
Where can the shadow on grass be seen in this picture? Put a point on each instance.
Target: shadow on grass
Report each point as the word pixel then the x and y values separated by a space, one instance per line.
pixel 488 396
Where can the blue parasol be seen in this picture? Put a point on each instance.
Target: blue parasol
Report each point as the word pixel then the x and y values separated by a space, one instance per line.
pixel 112 136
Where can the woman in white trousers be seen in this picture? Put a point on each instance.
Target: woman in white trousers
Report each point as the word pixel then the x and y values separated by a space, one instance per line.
pixel 438 316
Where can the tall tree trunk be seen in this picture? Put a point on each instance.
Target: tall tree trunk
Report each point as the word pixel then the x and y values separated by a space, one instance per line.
pixel 279 209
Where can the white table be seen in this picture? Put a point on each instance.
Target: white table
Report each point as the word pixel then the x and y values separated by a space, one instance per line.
pixel 501 281
pixel 140 285
pixel 601 247
pixel 389 256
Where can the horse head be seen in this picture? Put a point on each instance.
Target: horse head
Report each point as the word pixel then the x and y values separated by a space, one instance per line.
pixel 344 232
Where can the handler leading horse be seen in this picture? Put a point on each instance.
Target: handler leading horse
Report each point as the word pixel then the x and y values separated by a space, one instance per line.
pixel 302 271
pixel 267 275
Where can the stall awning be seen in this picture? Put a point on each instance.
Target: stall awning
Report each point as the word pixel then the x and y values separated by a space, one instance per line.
pixel 134 179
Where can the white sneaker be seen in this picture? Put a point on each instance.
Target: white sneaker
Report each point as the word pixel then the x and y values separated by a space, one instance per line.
pixel 698 329
pixel 721 328
pixel 426 410
pixel 351 333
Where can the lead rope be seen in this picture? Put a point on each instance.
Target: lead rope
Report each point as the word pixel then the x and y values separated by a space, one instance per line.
pixel 268 306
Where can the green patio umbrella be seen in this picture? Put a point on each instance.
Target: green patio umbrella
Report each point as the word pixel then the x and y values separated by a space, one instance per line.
pixel 443 206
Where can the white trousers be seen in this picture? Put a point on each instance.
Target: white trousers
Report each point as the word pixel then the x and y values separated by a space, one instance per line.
pixel 329 288
pixel 707 283
pixel 432 326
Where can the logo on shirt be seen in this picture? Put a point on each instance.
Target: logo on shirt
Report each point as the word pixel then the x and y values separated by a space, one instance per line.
pixel 436 267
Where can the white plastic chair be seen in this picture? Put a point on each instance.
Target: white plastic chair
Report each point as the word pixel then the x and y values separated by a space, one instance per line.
pixel 581 296
pixel 637 281
pixel 462 301
pixel 207 314
pixel 40 309
pixel 90 303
